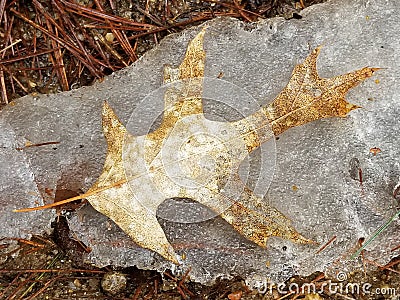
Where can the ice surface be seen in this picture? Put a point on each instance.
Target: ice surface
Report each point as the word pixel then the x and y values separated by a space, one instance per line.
pixel 315 183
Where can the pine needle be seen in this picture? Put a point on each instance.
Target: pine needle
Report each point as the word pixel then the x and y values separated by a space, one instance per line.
pixel 376 233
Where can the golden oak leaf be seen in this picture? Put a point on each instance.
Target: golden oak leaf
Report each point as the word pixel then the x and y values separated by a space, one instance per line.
pixel 307 97
pixel 189 156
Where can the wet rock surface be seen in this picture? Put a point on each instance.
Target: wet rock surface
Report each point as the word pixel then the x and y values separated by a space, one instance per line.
pixel 318 183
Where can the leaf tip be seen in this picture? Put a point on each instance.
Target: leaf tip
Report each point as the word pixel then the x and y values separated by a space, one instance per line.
pixel 300 239
pixel 106 107
pixel 317 49
pixel 348 108
pixel 315 53
pixel 168 252
pixel 112 125
pixel 351 106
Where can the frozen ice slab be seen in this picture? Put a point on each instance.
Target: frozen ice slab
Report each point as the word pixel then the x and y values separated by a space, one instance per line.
pixel 316 181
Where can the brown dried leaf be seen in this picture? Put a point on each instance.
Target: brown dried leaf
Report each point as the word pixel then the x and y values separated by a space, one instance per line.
pixel 308 97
